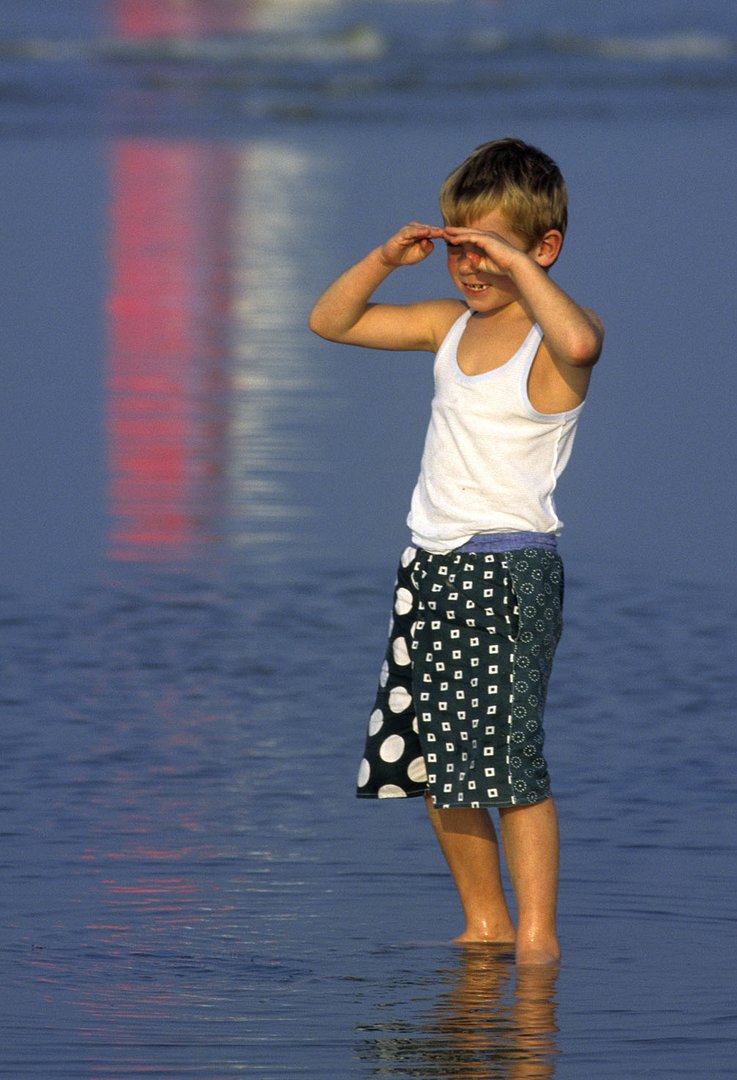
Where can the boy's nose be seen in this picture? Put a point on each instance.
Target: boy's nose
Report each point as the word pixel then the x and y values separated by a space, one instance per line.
pixel 465 263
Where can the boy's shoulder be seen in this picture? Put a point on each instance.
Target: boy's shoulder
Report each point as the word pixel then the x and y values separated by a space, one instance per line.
pixel 441 314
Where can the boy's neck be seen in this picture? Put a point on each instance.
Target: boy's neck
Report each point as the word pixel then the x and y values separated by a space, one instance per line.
pixel 508 315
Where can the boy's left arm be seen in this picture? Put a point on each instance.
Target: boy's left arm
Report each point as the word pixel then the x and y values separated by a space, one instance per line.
pixel 574 335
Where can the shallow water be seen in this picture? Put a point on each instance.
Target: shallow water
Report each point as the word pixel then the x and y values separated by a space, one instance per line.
pixel 204 507
pixel 190 888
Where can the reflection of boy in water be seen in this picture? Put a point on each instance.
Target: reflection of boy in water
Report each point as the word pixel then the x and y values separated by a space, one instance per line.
pixel 458 716
pixel 485 1025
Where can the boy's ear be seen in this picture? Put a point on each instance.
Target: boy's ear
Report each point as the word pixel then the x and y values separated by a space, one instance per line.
pixel 547 249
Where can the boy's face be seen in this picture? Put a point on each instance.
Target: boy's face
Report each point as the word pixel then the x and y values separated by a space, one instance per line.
pixel 483 290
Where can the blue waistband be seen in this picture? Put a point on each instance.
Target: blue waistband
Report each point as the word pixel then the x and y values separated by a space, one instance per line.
pixel 509 541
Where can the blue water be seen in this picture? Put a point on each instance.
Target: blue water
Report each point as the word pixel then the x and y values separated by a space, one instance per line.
pixel 204 505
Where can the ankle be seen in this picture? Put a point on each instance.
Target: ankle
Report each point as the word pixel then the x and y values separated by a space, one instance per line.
pixel 537 949
pixel 498 930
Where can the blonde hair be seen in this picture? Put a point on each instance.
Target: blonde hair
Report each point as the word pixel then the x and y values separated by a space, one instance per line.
pixel 507 175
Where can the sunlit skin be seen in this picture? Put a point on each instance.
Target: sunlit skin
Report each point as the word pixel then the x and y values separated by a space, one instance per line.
pixel 517 291
pixel 505 282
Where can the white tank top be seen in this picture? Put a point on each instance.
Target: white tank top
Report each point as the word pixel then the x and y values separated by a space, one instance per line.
pixel 491 462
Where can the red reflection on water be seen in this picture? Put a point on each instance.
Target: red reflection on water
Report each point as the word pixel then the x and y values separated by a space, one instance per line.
pixel 168 296
pixel 150 18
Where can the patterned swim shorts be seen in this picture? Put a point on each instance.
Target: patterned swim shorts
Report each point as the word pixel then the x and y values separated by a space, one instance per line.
pixel 459 708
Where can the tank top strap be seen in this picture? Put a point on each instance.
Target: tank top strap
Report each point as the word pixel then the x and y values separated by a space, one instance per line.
pixel 528 349
pixel 449 345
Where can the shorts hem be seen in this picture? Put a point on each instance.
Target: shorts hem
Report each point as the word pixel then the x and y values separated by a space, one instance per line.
pixel 498 804
pixel 391 798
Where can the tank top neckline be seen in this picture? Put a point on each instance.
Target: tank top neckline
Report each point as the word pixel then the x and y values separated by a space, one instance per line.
pixel 455 334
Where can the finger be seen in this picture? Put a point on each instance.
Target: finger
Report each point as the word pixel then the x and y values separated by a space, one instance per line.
pixel 420 229
pixel 458 232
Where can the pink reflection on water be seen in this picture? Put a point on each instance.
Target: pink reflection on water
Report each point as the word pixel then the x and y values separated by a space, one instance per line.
pixel 150 18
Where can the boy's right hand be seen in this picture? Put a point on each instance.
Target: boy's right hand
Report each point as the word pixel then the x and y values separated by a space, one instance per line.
pixel 410 245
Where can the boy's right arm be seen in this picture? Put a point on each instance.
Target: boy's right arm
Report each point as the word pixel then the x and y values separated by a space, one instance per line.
pixel 345 314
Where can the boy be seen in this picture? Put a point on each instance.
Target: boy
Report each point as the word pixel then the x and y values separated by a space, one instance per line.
pixel 477 606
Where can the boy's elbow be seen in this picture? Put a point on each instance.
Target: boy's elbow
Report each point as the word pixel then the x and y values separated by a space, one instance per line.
pixel 321 322
pixel 317 325
pixel 585 353
pixel 584 349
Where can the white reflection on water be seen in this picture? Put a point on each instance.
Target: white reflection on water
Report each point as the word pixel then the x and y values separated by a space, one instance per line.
pixel 274 388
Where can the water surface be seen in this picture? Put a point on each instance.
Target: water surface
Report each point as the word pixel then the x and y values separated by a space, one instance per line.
pixel 203 509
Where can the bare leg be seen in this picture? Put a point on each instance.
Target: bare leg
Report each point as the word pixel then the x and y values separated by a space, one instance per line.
pixel 468 841
pixel 531 846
